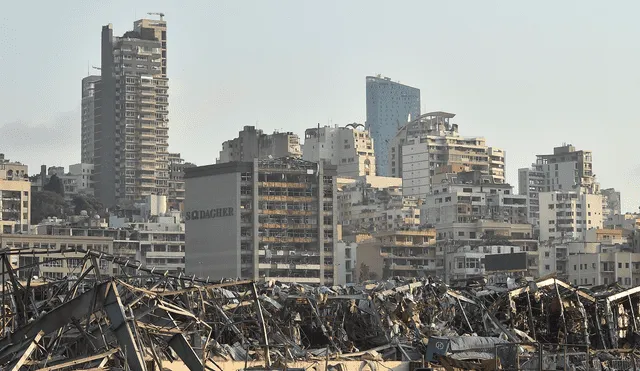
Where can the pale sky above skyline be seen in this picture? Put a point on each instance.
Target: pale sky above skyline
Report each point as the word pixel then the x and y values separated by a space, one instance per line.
pixel 525 76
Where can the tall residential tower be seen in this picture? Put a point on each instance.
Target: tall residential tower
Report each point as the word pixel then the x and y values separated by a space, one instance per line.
pixel 89 86
pixel 131 124
pixel 390 105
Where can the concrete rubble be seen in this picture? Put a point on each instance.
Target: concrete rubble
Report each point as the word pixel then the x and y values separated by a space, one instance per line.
pixel 148 319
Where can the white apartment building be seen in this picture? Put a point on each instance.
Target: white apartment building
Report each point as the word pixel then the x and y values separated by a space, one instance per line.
pixel 466 197
pixel 605 268
pixel 83 174
pixel 430 142
pixel 346 262
pixel 253 143
pixel 568 215
pixel 567 169
pixel 554 255
pixel 350 148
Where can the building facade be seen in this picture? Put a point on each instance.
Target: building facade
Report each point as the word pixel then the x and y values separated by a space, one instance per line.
pixel 131 115
pixel 87 120
pixel 462 247
pixel 611 202
pixel 177 165
pixel 401 253
pixel 269 218
pixel 466 197
pixel 56 266
pixel 253 143
pixel 567 215
pixel 11 170
pixel 15 205
pixel 390 105
pixel 566 169
pixel 350 148
pixel 431 141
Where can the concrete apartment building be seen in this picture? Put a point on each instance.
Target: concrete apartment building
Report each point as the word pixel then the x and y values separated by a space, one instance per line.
pixel 79 180
pixel 468 196
pixel 55 266
pixel 131 114
pixel 401 253
pixel 567 169
pixel 611 202
pixel 253 143
pixel 568 215
pixel 555 255
pixel 11 170
pixel 157 242
pixel 88 118
pixel 390 105
pixel 431 141
pixel 462 247
pixel 176 181
pixel 268 218
pixel 622 267
pixel 346 262
pixel 15 197
pixel 627 222
pixel 373 203
pixel 15 206
pixel 350 148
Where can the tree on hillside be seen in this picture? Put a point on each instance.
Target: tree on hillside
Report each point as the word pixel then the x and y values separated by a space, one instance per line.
pixel 55 185
pixel 88 203
pixel 46 204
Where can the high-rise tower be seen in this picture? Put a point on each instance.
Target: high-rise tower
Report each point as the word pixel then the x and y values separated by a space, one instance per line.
pixel 89 85
pixel 131 115
pixel 390 105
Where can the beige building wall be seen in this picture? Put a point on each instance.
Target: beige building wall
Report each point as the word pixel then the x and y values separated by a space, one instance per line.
pixel 15 206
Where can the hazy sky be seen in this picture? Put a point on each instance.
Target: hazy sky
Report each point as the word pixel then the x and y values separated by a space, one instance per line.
pixel 527 76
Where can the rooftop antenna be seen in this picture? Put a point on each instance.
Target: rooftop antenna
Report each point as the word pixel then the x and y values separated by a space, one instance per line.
pixel 161 15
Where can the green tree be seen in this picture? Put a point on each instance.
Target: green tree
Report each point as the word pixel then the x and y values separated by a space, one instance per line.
pixel 46 204
pixel 55 185
pixel 88 203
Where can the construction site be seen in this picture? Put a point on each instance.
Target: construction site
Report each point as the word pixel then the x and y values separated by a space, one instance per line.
pixel 147 319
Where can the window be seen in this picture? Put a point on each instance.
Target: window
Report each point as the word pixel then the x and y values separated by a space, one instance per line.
pixel 546 254
pixel 550 206
pixel 619 265
pixel 461 234
pixel 575 267
pixel 547 267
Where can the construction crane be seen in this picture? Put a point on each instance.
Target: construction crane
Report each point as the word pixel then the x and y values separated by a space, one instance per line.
pixel 161 15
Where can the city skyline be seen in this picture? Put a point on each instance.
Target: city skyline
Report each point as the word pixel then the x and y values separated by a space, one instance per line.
pixel 570 97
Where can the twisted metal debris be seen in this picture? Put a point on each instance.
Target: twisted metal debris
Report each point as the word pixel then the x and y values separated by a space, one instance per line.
pixel 147 318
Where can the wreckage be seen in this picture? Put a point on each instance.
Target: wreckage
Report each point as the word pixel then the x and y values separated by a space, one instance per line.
pixel 146 318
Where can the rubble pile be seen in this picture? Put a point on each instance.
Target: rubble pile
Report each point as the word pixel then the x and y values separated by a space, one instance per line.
pixel 139 321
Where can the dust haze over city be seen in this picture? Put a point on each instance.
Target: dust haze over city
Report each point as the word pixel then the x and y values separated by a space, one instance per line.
pixel 393 154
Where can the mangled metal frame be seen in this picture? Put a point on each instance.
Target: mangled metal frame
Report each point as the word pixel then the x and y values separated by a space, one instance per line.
pixel 152 317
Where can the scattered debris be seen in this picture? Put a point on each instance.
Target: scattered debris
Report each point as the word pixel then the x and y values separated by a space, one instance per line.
pixel 92 321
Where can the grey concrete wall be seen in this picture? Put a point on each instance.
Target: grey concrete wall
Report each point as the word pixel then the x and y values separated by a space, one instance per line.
pixel 213 242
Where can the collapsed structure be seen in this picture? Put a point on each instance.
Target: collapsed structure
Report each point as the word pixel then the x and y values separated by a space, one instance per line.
pixel 145 318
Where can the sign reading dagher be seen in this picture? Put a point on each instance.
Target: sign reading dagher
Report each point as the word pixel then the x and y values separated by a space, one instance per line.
pixel 209 214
